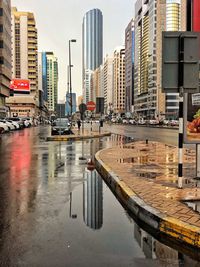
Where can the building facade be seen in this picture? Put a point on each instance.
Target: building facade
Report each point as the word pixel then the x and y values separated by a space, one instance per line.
pixel 119 80
pixel 5 54
pixel 52 81
pixel 92 30
pixel 151 19
pixel 24 63
pixel 108 84
pixel 24 48
pixel 129 66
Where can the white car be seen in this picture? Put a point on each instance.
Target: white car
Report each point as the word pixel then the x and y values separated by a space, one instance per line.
pixel 14 123
pixel 4 126
pixel 10 125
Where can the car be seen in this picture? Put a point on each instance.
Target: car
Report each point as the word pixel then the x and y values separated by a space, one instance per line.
pixel 18 121
pixel 16 125
pixel 9 124
pixel 4 126
pixel 1 131
pixel 174 123
pixel 61 127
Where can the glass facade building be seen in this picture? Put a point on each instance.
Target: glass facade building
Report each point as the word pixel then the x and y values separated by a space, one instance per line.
pixel 92 46
pixel 44 75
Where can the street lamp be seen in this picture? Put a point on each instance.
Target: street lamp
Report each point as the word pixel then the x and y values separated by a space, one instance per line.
pixel 70 73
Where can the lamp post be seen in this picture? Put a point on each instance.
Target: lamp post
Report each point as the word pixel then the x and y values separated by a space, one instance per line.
pixel 70 74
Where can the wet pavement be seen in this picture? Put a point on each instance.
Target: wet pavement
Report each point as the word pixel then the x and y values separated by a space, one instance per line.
pixel 56 212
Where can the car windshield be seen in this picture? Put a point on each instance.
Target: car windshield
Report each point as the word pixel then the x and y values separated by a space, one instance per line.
pixel 60 123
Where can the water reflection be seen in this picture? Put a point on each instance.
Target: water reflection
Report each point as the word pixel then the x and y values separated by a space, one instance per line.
pixel 93 200
pixel 164 255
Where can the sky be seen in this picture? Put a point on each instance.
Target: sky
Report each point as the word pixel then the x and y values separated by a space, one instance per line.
pixel 61 20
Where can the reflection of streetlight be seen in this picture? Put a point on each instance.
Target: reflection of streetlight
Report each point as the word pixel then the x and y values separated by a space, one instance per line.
pixel 73 216
pixel 70 74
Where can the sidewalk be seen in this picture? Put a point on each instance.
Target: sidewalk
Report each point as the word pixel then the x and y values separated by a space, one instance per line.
pixel 144 176
pixel 78 135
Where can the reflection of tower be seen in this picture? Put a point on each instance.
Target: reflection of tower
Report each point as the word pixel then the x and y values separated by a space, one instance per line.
pixel 93 200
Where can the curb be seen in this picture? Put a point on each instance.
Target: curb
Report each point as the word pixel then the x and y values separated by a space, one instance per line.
pixel 76 137
pixel 159 222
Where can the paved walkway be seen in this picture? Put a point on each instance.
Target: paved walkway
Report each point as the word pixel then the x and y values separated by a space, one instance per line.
pixel 146 174
pixel 79 135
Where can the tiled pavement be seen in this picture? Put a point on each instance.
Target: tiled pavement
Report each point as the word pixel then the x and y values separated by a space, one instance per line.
pixel 150 170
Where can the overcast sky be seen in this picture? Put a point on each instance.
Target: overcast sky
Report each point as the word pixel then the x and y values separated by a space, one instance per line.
pixel 61 20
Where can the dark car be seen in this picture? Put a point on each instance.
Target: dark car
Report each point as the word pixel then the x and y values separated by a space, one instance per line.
pixel 61 127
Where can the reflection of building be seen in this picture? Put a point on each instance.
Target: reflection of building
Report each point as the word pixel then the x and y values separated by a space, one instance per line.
pixel 129 66
pixel 92 47
pixel 5 50
pixel 119 80
pixel 93 200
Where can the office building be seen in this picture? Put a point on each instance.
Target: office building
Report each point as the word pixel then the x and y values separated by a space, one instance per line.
pixel 24 48
pixel 92 31
pixel 129 66
pixel 119 80
pixel 108 84
pixel 5 54
pixel 151 19
pixel 24 63
pixel 52 81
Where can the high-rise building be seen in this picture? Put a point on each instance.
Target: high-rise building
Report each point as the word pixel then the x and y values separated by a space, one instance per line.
pixel 52 81
pixel 174 22
pixel 5 54
pixel 151 19
pixel 129 65
pixel 24 48
pixel 24 63
pixel 96 89
pixel 119 80
pixel 108 84
pixel 92 31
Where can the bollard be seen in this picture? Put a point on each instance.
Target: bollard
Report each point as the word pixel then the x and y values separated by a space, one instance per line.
pixel 147 141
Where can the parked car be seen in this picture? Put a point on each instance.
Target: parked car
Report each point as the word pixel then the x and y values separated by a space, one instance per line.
pixel 16 125
pixel 11 127
pixel 4 126
pixel 18 121
pixel 174 123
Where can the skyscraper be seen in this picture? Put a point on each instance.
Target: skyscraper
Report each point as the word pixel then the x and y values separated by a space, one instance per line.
pixel 92 47
pixel 119 80
pixel 129 65
pixel 5 53
pixel 52 81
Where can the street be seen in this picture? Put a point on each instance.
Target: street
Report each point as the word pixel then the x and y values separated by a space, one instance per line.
pixel 56 212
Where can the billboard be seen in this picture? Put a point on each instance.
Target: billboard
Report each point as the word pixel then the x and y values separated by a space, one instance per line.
pixel 192 118
pixel 20 86
pixel 68 104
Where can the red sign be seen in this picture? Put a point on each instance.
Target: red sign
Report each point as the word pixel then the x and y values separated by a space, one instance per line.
pixel 91 106
pixel 20 86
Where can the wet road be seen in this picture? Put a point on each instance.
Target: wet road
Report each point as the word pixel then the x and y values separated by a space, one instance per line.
pixel 56 212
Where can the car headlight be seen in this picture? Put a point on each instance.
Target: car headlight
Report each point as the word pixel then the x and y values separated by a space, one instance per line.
pixel 54 129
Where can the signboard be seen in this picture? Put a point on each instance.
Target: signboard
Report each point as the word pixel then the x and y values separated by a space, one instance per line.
pixel 180 62
pixel 20 86
pixel 192 118
pixel 91 106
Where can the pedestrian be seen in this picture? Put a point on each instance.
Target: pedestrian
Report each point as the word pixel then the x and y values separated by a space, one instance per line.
pixel 79 124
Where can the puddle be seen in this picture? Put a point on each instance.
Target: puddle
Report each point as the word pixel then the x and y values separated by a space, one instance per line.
pixel 128 160
pixel 148 175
